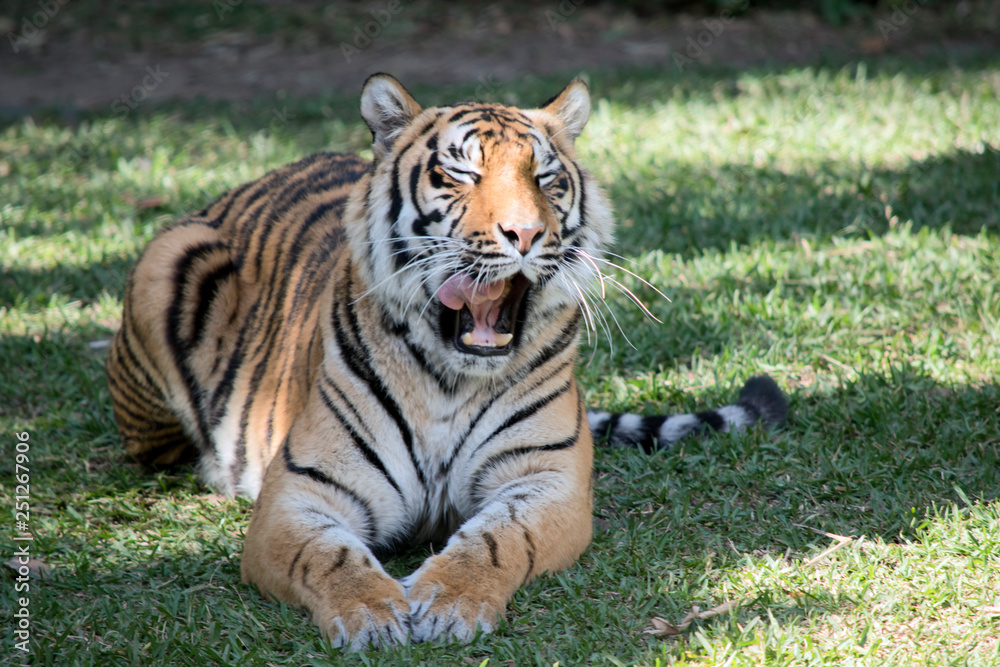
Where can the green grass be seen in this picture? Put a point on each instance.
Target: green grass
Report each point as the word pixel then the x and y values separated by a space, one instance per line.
pixel 836 227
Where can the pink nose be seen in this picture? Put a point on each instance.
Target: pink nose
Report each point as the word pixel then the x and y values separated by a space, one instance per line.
pixel 521 237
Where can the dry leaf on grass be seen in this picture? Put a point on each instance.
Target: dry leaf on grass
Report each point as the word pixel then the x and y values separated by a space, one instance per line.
pixel 37 569
pixel 660 626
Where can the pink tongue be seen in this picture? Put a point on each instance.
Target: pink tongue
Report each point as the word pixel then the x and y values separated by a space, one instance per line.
pixel 483 302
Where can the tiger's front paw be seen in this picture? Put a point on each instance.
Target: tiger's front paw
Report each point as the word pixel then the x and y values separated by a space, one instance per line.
pixel 377 616
pixel 448 602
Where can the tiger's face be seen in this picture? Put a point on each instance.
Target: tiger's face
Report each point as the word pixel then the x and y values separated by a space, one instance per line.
pixel 481 228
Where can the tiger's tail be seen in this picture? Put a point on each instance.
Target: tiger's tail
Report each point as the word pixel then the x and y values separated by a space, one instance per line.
pixel 760 400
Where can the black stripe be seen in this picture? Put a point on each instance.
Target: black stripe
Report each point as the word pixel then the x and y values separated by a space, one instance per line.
pixel 582 187
pixel 712 418
pixel 525 413
pixel 483 407
pixel 402 330
pixel 262 187
pixel 225 388
pixel 495 460
pixel 557 346
pixel 276 326
pixel 207 291
pixel 400 254
pixel 133 392
pixel 359 442
pixel 298 555
pixel 169 434
pixel 530 551
pixel 127 330
pixel 322 478
pixel 547 354
pixel 460 114
pixel 341 559
pixel 135 410
pixel 650 441
pixel 316 183
pixel 233 195
pixel 356 355
pixel 264 222
pixel 491 544
pixel 178 347
pixel 313 279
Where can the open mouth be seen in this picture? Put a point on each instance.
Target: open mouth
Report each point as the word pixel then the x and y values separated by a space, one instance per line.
pixel 482 318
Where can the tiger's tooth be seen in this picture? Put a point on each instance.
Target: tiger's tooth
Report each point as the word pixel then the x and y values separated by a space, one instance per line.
pixel 500 340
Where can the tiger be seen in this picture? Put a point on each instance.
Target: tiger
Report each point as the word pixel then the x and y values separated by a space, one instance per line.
pixel 381 353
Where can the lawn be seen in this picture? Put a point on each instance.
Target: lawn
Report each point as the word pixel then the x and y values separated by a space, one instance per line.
pixel 836 227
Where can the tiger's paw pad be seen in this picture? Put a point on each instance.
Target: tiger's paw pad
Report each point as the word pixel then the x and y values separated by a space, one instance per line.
pixel 449 613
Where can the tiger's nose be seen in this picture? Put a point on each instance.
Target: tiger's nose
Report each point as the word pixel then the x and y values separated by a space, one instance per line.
pixel 521 237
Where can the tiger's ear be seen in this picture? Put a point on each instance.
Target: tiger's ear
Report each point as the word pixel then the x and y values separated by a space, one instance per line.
pixel 387 108
pixel 571 106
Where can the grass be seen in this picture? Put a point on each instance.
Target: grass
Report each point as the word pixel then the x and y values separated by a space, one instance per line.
pixel 835 227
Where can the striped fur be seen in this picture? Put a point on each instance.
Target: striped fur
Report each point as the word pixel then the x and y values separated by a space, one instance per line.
pixel 384 352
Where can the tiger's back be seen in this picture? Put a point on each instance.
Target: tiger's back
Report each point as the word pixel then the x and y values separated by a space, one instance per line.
pixel 217 345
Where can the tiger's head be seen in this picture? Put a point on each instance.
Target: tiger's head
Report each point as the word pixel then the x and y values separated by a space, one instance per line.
pixel 479 228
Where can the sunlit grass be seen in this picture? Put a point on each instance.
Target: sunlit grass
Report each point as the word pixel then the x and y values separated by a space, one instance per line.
pixel 838 229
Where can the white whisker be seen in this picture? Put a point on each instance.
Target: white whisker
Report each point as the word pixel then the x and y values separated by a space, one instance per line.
pixel 622 268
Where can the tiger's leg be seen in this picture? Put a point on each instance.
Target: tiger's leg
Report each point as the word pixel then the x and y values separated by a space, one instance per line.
pixel 535 516
pixel 153 390
pixel 308 536
pixel 149 430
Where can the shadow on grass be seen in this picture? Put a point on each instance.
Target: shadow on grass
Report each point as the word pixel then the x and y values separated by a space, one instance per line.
pixel 36 288
pixel 687 210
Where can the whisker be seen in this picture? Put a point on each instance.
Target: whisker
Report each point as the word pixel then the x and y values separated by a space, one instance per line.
pixel 412 264
pixel 622 268
pixel 634 298
pixel 611 340
pixel 588 315
pixel 596 270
